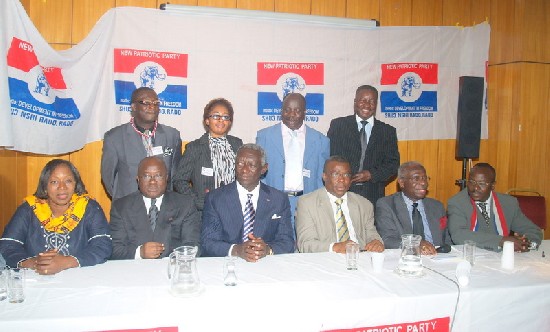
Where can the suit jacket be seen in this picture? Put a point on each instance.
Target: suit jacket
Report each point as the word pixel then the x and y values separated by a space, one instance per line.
pixel 392 219
pixel 123 150
pixel 178 224
pixel 222 220
pixel 189 178
pixel 381 158
pixel 316 151
pixel 460 210
pixel 316 227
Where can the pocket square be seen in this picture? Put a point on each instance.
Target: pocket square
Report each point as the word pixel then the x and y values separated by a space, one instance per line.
pixel 275 216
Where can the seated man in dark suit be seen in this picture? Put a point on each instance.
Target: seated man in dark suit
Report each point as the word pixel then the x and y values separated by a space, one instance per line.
pixel 411 212
pixel 480 214
pixel 247 218
pixel 331 217
pixel 152 222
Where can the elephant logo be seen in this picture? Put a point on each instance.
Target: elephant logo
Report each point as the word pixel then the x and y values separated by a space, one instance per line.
pixel 149 75
pixel 407 85
pixel 42 86
pixel 291 85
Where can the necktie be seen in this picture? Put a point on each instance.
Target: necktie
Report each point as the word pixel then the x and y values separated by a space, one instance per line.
pixel 484 212
pixel 364 142
pixel 153 213
pixel 341 225
pixel 147 142
pixel 249 216
pixel 293 163
pixel 418 225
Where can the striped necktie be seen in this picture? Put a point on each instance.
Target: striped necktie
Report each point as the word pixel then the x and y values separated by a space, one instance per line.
pixel 483 209
pixel 249 216
pixel 341 225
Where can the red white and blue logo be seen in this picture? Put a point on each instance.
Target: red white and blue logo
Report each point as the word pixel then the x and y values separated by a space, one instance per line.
pixel 409 88
pixel 164 72
pixel 37 93
pixel 277 79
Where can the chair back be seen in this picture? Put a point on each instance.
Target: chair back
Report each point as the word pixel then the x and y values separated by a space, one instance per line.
pixel 533 205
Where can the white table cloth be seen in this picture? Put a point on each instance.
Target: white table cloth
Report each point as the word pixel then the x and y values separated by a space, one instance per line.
pixel 295 292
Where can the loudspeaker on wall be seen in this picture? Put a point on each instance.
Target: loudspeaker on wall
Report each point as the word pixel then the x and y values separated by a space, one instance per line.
pixel 470 104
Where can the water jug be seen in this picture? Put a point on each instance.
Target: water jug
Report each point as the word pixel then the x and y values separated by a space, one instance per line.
pixel 182 271
pixel 410 261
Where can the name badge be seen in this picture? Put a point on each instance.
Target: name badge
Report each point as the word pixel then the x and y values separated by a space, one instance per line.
pixel 306 173
pixel 207 171
pixel 157 150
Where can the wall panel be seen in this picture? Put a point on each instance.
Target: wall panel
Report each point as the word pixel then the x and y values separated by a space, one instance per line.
pixel 395 12
pixel 366 9
pixel 426 12
pixel 86 13
pixel 268 5
pixel 293 6
pixel 328 8
pixel 218 3
pixel 137 3
pixel 456 13
pixel 53 19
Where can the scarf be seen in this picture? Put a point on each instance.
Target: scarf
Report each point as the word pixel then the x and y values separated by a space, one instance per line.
pixel 223 160
pixel 147 136
pixel 65 223
pixel 500 221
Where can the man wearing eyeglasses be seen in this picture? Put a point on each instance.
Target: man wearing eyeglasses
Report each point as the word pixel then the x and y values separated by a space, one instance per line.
pixel 411 212
pixel 488 218
pixel 151 222
pixel 126 145
pixel 331 217
pixel 295 152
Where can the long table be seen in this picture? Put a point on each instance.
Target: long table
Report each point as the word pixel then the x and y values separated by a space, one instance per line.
pixel 295 292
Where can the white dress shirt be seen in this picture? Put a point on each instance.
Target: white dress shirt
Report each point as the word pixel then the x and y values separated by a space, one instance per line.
pixel 243 197
pixel 147 202
pixel 345 210
pixel 294 182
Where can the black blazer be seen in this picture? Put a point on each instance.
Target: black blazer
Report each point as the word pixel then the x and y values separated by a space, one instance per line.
pixel 381 158
pixel 189 178
pixel 178 224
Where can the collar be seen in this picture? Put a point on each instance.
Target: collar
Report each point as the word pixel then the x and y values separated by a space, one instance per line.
pixel 298 131
pixel 409 201
pixel 242 190
pixel 358 120
pixel 332 198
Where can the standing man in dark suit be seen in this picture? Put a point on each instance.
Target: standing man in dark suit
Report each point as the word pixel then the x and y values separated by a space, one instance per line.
pixel 369 144
pixel 247 218
pixel 300 172
pixel 411 212
pixel 480 214
pixel 152 222
pixel 126 145
pixel 331 217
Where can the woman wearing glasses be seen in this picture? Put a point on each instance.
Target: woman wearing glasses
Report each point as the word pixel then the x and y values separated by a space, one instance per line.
pixel 59 227
pixel 209 162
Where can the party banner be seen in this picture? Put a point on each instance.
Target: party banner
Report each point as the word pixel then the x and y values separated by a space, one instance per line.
pixel 57 101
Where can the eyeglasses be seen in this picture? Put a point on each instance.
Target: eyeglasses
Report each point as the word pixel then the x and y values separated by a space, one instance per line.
pixel 220 117
pixel 419 178
pixel 337 175
pixel 482 185
pixel 147 103
pixel 149 177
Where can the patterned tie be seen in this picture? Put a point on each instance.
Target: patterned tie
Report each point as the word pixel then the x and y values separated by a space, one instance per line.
pixel 153 213
pixel 147 142
pixel 418 225
pixel 249 216
pixel 483 209
pixel 341 225
pixel 364 142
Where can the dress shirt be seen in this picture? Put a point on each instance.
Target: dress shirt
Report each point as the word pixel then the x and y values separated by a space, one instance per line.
pixel 301 136
pixel 243 197
pixel 368 129
pixel 147 202
pixel 408 202
pixel 345 210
